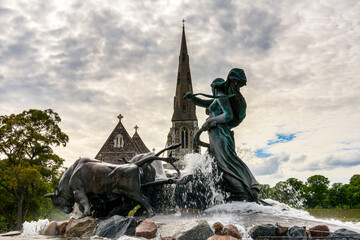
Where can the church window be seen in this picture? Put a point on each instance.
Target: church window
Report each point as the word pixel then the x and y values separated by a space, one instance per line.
pixel 184 138
pixel 119 141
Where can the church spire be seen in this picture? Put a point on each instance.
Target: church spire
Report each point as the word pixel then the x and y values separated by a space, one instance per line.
pixel 184 121
pixel 184 109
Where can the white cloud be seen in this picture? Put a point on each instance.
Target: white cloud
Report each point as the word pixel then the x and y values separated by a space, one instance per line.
pixel 91 61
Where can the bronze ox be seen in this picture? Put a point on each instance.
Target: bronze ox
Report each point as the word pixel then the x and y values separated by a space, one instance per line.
pixel 91 177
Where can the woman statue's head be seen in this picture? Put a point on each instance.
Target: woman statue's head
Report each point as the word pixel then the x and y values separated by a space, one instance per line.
pixel 217 84
pixel 237 77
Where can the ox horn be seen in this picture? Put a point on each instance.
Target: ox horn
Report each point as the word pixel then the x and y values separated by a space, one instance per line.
pixel 49 195
pixel 56 191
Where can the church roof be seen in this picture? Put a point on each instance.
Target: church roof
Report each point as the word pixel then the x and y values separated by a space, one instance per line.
pixel 120 145
pixel 139 142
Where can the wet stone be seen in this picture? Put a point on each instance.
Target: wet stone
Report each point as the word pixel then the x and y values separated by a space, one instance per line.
pixel 297 232
pixel 146 229
pixel 124 237
pixel 218 227
pixel 221 237
pixel 281 231
pixel 319 231
pixel 62 227
pixel 51 229
pixel 231 230
pixel 83 227
pixel 190 230
pixel 116 226
pixel 260 231
pixel 344 234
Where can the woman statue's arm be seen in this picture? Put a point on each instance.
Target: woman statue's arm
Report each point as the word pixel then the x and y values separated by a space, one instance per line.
pixel 225 117
pixel 198 101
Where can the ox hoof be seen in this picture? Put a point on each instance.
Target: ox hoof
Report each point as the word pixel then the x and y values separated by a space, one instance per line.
pixel 84 215
pixel 149 214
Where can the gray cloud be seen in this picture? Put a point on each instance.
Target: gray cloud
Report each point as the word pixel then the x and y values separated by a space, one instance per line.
pixel 344 160
pixel 91 61
pixel 340 159
pixel 270 165
pixel 300 159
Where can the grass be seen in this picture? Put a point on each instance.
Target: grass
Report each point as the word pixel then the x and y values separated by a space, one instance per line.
pixel 345 215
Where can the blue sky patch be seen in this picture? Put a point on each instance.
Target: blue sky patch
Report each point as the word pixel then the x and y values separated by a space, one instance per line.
pixel 261 153
pixel 282 138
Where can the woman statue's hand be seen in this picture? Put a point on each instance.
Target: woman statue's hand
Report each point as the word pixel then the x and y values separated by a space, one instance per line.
pixel 189 95
pixel 208 124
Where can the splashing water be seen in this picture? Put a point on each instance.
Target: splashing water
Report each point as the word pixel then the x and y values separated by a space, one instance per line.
pixel 33 228
pixel 204 164
pixel 245 215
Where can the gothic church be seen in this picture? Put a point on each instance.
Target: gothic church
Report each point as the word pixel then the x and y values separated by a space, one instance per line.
pixel 120 145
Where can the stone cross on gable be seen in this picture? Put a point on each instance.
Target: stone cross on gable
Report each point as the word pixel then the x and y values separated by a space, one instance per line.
pixel 183 21
pixel 120 117
pixel 136 128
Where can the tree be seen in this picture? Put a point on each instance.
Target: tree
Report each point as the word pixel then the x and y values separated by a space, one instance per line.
pixel 289 192
pixel 265 191
pixel 354 191
pixel 28 166
pixel 337 195
pixel 318 187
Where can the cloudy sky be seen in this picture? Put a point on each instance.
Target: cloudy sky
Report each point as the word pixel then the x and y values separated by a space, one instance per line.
pixel 91 60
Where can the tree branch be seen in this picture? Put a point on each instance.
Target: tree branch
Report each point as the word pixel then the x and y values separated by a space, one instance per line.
pixel 8 218
pixel 7 189
pixel 5 152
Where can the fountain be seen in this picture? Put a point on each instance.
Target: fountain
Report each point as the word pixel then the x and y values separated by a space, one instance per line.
pixel 216 186
pixel 244 215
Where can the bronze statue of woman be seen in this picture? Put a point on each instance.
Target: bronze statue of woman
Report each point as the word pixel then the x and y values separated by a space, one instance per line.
pixel 226 109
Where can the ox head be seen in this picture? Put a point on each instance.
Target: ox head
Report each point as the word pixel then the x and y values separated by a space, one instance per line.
pixel 61 201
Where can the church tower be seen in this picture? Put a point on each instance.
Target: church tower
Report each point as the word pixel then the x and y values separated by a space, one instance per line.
pixel 184 120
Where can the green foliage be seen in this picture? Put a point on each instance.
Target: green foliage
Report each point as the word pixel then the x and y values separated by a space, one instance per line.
pixel 265 191
pixel 354 191
pixel 315 194
pixel 289 192
pixel 337 196
pixel 4 225
pixel 317 187
pixel 28 166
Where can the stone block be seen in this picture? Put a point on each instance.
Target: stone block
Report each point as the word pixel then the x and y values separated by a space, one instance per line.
pixel 51 229
pixel 146 229
pixel 281 231
pixel 297 232
pixel 231 230
pixel 221 237
pixel 319 231
pixel 116 226
pixel 344 234
pixel 83 227
pixel 190 230
pixel 260 231
pixel 218 227
pixel 62 227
